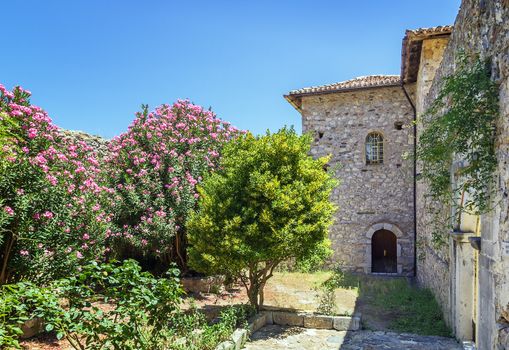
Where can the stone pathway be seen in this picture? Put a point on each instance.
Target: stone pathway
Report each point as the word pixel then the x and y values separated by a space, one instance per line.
pixel 274 337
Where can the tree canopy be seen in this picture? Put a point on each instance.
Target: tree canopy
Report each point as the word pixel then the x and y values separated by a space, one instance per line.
pixel 267 202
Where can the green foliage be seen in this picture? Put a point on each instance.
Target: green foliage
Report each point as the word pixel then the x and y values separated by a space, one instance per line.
pixel 315 261
pixel 52 212
pixel 327 290
pixel 19 303
pixel 267 203
pixel 8 127
pixel 460 125
pixel 190 331
pixel 143 307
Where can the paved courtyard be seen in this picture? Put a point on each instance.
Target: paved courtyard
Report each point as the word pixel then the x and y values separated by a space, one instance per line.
pixel 277 337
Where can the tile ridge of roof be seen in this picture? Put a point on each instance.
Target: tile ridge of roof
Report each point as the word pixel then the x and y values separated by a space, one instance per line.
pixel 364 81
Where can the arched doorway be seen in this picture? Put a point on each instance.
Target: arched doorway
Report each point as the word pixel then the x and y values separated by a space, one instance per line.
pixel 384 252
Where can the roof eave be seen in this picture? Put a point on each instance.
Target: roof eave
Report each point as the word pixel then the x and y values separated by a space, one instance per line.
pixel 411 38
pixel 292 99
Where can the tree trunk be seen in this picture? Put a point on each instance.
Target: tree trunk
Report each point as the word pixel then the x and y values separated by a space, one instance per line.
pixel 179 251
pixel 253 295
pixel 9 243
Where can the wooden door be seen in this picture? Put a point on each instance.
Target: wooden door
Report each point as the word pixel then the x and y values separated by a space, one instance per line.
pixel 384 252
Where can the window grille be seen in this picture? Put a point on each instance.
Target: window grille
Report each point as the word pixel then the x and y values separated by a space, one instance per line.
pixel 374 148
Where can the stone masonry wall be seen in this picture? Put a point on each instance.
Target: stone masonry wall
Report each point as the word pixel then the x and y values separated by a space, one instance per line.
pixel 370 197
pixel 482 27
pixel 433 265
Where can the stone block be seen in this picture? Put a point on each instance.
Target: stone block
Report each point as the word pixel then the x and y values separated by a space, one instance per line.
pixel 32 327
pixel 258 321
pixel 226 345
pixel 318 321
pixel 239 338
pixel 288 319
pixel 202 284
pixel 347 323
pixel 269 318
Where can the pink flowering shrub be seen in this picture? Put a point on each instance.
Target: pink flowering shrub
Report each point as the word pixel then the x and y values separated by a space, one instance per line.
pixel 52 216
pixel 154 168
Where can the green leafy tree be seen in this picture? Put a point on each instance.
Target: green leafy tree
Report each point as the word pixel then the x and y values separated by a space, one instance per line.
pixel 268 202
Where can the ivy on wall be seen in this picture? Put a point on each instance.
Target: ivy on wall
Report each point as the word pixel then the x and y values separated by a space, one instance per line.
pixel 460 125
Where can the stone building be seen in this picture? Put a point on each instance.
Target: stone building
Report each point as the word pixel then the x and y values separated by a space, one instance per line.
pixel 470 274
pixel 365 124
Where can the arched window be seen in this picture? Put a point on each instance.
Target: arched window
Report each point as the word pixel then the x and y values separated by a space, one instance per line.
pixel 374 148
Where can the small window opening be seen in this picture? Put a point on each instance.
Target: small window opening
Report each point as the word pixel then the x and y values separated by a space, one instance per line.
pixel 320 134
pixel 374 148
pixel 398 125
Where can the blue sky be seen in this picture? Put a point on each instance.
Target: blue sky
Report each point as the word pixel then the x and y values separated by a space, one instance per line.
pixel 92 63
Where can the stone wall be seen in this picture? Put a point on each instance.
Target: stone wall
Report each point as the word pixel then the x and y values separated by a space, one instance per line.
pixel 482 27
pixel 433 265
pixel 96 142
pixel 370 197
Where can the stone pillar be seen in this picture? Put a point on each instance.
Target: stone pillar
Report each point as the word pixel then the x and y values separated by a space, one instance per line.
pixel 463 286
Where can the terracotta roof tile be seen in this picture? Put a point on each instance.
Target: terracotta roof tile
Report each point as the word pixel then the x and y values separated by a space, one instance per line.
pixel 439 30
pixel 369 81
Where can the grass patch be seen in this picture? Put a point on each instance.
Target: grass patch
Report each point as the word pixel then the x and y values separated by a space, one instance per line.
pixel 392 302
pixel 415 310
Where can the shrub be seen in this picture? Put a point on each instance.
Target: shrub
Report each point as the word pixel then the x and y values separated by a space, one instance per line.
pixel 143 307
pixel 267 203
pixel 51 208
pixel 154 168
pixel 19 303
pixel 327 290
pixel 190 331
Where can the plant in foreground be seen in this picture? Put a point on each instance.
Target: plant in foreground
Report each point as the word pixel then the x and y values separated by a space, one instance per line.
pixel 141 307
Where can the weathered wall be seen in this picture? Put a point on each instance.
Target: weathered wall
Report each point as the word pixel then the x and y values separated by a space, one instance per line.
pixel 368 194
pixel 433 265
pixel 483 27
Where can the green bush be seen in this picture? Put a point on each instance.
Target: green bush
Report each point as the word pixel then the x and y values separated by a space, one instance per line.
pixel 268 202
pixel 143 307
pixel 19 303
pixel 190 331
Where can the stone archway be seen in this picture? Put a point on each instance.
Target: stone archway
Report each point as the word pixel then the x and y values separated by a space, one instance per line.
pixel 381 232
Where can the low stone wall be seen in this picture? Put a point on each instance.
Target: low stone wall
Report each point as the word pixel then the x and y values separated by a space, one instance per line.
pixel 202 284
pixel 288 318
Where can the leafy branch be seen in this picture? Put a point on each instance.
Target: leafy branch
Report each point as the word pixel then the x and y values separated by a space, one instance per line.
pixel 459 128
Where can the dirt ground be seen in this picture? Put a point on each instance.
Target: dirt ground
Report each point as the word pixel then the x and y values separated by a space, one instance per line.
pixel 289 290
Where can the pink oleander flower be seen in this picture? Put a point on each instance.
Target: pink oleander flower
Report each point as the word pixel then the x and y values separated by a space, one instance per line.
pixel 24 252
pixel 47 214
pixel 9 210
pixel 79 255
pixel 32 133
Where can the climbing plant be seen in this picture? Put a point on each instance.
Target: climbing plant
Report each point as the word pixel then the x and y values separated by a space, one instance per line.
pixel 460 125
